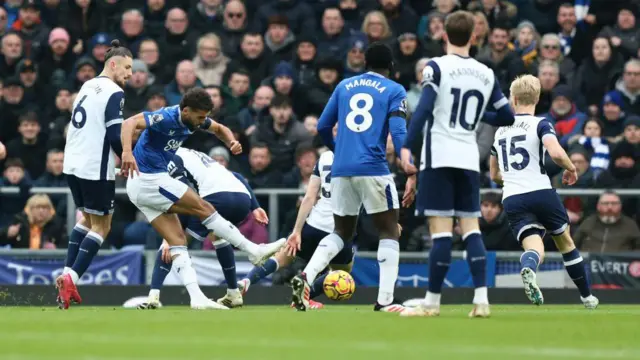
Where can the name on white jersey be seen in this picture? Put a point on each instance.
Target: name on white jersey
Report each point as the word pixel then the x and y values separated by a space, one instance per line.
pixel 523 125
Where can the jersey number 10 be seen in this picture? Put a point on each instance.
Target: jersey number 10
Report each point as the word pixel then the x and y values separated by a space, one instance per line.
pixel 459 108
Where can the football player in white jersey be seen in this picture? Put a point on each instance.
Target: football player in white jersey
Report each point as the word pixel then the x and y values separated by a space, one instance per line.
pixel 456 92
pixel 93 141
pixel 531 204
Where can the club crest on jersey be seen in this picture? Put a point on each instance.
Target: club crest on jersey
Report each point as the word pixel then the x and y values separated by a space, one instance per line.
pixel 156 118
pixel 121 106
pixel 172 144
pixel 403 106
pixel 427 75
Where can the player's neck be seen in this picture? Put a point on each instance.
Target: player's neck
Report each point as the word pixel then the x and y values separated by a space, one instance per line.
pixel 525 109
pixel 382 72
pixel 458 50
pixel 106 73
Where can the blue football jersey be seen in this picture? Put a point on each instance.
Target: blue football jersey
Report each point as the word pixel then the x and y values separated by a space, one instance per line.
pixel 158 143
pixel 362 106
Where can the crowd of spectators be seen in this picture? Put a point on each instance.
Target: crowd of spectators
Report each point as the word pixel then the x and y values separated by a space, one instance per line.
pixel 270 67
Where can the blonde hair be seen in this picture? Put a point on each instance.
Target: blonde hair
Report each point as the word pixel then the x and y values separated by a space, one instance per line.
pixel 38 200
pixel 526 89
pixel 386 32
pixel 209 37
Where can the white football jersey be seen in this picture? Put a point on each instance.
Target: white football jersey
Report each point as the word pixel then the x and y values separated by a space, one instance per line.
pixel 88 154
pixel 207 175
pixel 321 216
pixel 520 155
pixel 464 87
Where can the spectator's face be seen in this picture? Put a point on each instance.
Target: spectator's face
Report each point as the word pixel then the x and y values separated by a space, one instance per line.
pixel 592 129
pixel 567 18
pixel 375 28
pixel 489 4
pixel 3 18
pixel 609 208
pixel 601 50
pixel 306 51
pixel 480 26
pixel 14 174
pixel 632 134
pixel 525 37
pixel 306 162
pixel 499 39
pixel 99 52
pixel 155 5
pixel 63 100
pixel 580 162
pixel 185 74
pixel 221 160
pixel 355 57
pixel 29 16
pixel 252 46
pixel 177 21
pixel 40 213
pixel 348 4
pixel 12 46
pixel 550 50
pixel 59 47
pixel 239 84
pixel 332 22
pixel 611 111
pixel 139 79
pixel 389 5
pixel 283 84
pixel 278 33
pixel 262 98
pixel 211 3
pixel 281 115
pixel 489 211
pixel 55 163
pixel 561 105
pixel 624 162
pixel 311 124
pixel 235 15
pixel 149 52
pixel 86 73
pixel 13 94
pixel 626 20
pixel 29 129
pixel 631 77
pixel 445 6
pixel 408 46
pixel 259 159
pixel 216 98
pixel 156 102
pixel 28 78
pixel 328 76
pixel 549 77
pixel 436 26
pixel 132 24
pixel 208 50
pixel 83 4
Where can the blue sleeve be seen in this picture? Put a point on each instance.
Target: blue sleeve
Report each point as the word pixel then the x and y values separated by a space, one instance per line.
pixel 545 128
pixel 254 201
pixel 158 120
pixel 423 113
pixel 113 120
pixel 328 119
pixel 503 116
pixel 397 119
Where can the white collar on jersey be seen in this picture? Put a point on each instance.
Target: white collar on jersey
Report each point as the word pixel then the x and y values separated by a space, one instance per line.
pixel 374 74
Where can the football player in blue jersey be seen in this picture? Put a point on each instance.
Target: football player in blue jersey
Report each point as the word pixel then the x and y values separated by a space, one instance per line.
pixel 366 108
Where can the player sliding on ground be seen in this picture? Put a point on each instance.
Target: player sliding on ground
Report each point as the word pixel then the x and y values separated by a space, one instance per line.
pixel 160 197
pixel 367 108
pixel 457 90
pixel 232 197
pixel 531 204
pixel 93 141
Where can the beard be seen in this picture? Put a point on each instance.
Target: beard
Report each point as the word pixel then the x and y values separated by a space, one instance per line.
pixel 608 219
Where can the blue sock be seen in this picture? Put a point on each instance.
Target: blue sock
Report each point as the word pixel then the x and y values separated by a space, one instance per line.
pixel 227 261
pixel 574 264
pixel 530 259
pixel 260 272
pixel 439 261
pixel 77 235
pixel 317 288
pixel 160 271
pixel 476 258
pixel 88 249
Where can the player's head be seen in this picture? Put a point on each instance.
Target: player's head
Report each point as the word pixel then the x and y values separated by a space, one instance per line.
pixel 195 106
pixel 379 58
pixel 459 28
pixel 118 62
pixel 525 91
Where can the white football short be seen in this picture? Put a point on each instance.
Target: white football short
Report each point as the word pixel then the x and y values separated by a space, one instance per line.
pixel 154 194
pixel 376 193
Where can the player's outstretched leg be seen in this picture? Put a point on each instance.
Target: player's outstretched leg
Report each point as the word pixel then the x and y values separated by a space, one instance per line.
pixel 386 223
pixel 530 260
pixel 227 259
pixel 260 272
pixel 477 260
pixel 160 271
pixel 574 264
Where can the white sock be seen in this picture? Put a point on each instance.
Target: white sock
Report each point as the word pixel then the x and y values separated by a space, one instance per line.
pixel 225 230
pixel 154 294
pixel 234 292
pixel 327 249
pixel 388 260
pixel 182 266
pixel 74 276
pixel 66 270
pixel 432 299
pixel 480 296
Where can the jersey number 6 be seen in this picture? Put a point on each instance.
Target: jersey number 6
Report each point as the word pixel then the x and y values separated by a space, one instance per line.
pixel 79 111
pixel 362 111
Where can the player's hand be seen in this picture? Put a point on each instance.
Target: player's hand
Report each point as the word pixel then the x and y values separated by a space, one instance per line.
pixel 409 192
pixel 569 177
pixel 293 244
pixel 399 229
pixel 3 151
pixel 166 254
pixel 261 216
pixel 129 165
pixel 407 166
pixel 235 147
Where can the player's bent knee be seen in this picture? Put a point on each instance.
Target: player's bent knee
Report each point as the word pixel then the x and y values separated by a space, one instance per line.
pixel 469 224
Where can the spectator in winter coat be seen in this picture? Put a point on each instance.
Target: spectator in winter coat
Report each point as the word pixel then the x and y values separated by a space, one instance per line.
pixel 480 33
pixel 59 116
pixel 249 117
pixel 13 175
pixel 624 35
pixel 210 63
pixel 612 116
pixel 254 58
pixel 526 44
pixel 237 93
pixel 262 173
pixel 414 94
pixel 332 37
pixel 496 11
pixel 137 89
pixel 31 146
pixel 131 28
pixel 284 82
pixel 34 88
pixel 149 53
pixel 179 41
pixel 300 15
pixel 576 205
pixel 608 230
pixel 434 35
pixel 354 64
pixel 496 232
pixel 299 176
pixel 575 39
pixel 33 32
pixel 631 133
pixel 595 145
pixel 407 53
pixel 85 70
pixel 11 54
pixel 54 177
pixel 206 16
pixel 376 27
pixel 185 79
pixel 155 14
pixel 279 39
pixel 234 26
pixel 567 120
pixel 37 227
pixel 82 19
pixel 353 12
pixel 304 60
pixel 58 55
pixel 622 174
pixel 505 62
pixel 550 49
pixel 629 86
pixel 12 105
pixel 328 76
pixel 549 75
pixel 401 17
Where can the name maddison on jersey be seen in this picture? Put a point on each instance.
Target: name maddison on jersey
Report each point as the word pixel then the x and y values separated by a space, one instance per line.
pixel 523 125
pixel 475 72
pixel 366 82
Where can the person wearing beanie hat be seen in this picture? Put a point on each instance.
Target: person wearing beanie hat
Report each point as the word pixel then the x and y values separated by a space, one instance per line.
pixel 525 44
pixel 157 99
pixel 354 64
pixel 59 34
pixel 631 133
pixel 279 38
pixel 408 51
pixel 625 35
pixel 137 90
pixel 564 114
pixel 12 104
pixel 612 115
pixel 85 70
pixel 285 82
pixel 98 47
pixel 58 55
pixel 27 70
pixel 304 59
pixel 328 75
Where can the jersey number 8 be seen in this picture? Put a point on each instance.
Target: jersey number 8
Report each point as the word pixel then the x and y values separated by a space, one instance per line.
pixel 362 111
pixel 460 107
pixel 81 112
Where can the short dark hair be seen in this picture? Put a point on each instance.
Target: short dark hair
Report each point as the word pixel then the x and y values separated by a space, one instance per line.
pixel 459 27
pixel 13 162
pixel 278 20
pixel 117 50
pixel 259 145
pixel 492 198
pixel 378 56
pixel 196 99
pixel 240 71
pixel 251 33
pixel 280 101
pixel 28 116
pixel 54 151
pixel 566 5
pixel 303 149
pixel 501 25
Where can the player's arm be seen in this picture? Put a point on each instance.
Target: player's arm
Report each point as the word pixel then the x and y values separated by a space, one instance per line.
pixel 328 119
pixel 547 135
pixel 223 133
pixel 113 120
pixel 398 120
pixel 129 127
pixel 503 116
pixel 308 201
pixel 494 168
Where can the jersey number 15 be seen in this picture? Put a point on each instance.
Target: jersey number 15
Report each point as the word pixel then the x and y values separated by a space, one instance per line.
pixel 459 108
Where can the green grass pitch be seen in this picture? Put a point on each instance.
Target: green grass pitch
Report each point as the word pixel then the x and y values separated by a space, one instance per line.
pixel 334 333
